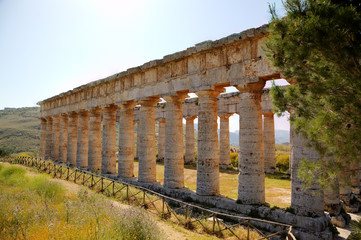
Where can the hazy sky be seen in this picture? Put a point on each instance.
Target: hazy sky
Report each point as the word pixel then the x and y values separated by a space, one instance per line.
pixel 51 46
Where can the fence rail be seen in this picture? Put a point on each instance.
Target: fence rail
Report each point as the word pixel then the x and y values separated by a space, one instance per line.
pixel 184 213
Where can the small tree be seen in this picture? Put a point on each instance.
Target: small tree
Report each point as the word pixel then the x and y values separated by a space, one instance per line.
pixel 3 153
pixel 317 47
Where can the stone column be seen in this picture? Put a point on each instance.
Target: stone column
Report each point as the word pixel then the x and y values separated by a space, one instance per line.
pixel 174 161
pixel 95 140
pixel 42 137
pixel 137 142
pixel 72 138
pixel 251 178
pixel 49 138
pixel 63 138
pixel 224 144
pixel 83 140
pixel 126 141
pixel 161 140
pixel 55 151
pixel 109 144
pixel 147 161
pixel 208 152
pixel 269 142
pixel 304 201
pixel 190 145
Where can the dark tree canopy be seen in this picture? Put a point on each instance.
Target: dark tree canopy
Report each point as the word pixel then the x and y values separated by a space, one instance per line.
pixel 317 47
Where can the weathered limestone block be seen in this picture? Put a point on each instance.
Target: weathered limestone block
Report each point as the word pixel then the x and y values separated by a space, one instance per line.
pixel 55 151
pixel 269 142
pixel 126 141
pixel 72 138
pixel 49 138
pixel 95 142
pixel 174 161
pixel 331 196
pixel 251 178
pixel 147 158
pixel 42 137
pixel 63 138
pixel 224 144
pixel 310 201
pixel 83 140
pixel 109 140
pixel 161 140
pixel 189 141
pixel 208 151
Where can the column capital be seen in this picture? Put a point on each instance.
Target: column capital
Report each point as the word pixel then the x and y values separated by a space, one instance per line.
pixel 43 120
pixel 73 114
pixel 128 105
pixel 149 101
pixel 64 115
pixel 96 110
pixel 178 97
pixel 160 120
pixel 226 116
pixel 110 108
pixel 268 114
pixel 190 118
pixel 83 112
pixel 210 93
pixel 251 87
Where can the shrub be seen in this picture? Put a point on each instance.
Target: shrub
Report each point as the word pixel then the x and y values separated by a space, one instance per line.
pixel 234 159
pixel 46 189
pixel 13 176
pixel 283 162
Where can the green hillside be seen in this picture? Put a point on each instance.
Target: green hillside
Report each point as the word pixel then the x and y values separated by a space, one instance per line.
pixel 19 129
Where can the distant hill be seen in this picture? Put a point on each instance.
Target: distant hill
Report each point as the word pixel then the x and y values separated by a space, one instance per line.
pixel 282 136
pixel 19 129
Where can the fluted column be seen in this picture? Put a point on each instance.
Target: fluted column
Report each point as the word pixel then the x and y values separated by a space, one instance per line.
pixel 224 145
pixel 137 142
pixel 72 138
pixel 269 142
pixel 63 138
pixel 147 160
pixel 42 137
pixel 56 126
pixel 161 140
pixel 126 141
pixel 49 138
pixel 174 161
pixel 189 141
pixel 208 152
pixel 251 178
pixel 95 140
pixel 83 140
pixel 109 140
pixel 304 201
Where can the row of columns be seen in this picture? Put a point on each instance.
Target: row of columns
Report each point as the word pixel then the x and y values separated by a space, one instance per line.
pixel 87 139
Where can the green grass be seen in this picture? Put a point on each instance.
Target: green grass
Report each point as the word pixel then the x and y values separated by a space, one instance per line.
pixel 278 190
pixel 39 209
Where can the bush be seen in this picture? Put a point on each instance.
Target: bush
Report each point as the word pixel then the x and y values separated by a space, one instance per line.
pixel 234 159
pixel 3 153
pixel 283 162
pixel 13 176
pixel 46 189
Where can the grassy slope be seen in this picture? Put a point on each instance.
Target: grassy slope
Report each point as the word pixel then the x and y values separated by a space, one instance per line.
pixel 19 129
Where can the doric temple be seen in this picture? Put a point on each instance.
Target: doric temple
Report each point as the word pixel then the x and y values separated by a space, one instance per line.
pixel 79 126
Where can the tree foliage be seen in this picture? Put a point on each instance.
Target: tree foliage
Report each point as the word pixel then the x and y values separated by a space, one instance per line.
pixel 317 47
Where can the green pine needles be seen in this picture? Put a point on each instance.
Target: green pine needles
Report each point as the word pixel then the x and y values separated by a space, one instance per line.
pixel 317 47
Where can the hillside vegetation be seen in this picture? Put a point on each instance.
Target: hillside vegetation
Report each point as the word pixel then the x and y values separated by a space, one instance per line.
pixel 19 129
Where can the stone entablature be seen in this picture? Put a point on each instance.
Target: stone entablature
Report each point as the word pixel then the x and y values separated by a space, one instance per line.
pixel 234 60
pixel 228 103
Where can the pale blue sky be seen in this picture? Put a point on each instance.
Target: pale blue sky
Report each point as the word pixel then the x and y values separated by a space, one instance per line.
pixel 51 46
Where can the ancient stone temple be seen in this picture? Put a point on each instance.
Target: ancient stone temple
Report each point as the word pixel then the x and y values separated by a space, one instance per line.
pixel 79 126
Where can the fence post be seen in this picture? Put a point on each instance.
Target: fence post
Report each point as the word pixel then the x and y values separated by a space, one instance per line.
pixel 127 192
pixel 248 230
pixel 76 170
pixel 113 188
